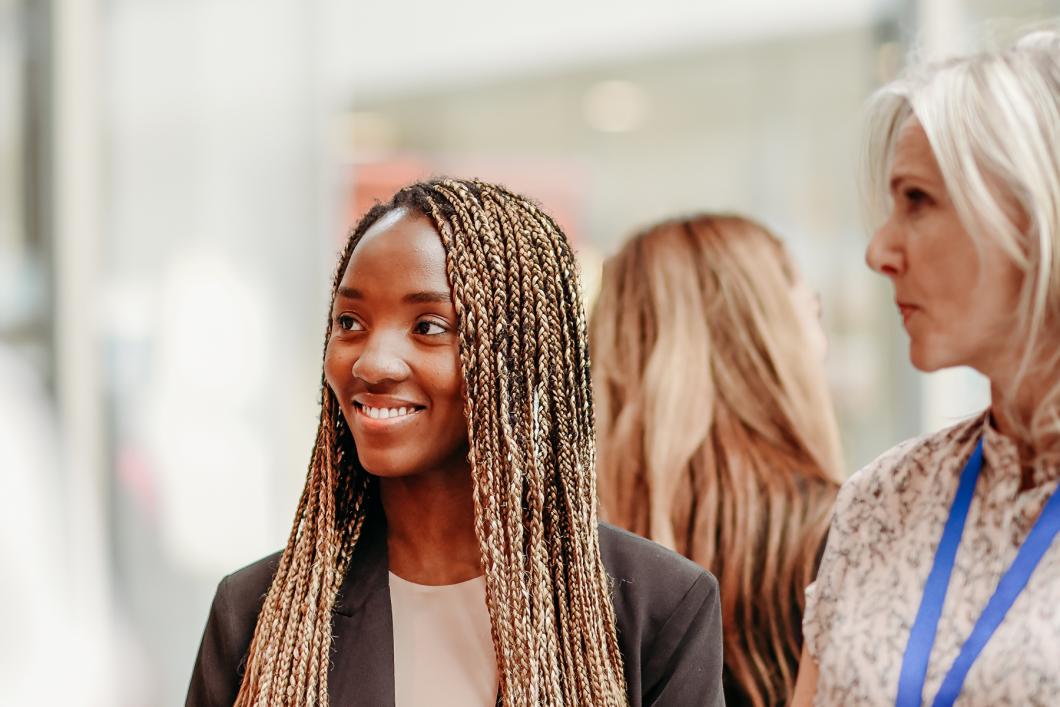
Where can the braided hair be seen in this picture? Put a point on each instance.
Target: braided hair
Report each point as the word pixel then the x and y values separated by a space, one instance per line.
pixel 525 363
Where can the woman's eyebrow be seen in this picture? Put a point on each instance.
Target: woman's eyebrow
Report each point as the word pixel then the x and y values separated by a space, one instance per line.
pixel 349 293
pixel 411 298
pixel 427 298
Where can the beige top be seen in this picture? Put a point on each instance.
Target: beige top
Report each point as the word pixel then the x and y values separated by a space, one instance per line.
pixel 887 523
pixel 443 652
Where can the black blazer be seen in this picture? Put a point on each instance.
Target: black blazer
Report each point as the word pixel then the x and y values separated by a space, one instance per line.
pixel 669 628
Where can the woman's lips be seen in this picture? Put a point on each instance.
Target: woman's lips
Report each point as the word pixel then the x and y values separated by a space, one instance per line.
pixel 380 417
pixel 907 311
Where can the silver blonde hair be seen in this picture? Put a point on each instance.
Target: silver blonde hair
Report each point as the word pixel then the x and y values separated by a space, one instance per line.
pixel 993 122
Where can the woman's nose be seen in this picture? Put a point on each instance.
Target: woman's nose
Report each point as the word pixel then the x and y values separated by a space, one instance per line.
pixel 884 253
pixel 381 361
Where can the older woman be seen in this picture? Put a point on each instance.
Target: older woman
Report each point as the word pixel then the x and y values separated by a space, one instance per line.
pixel 941 575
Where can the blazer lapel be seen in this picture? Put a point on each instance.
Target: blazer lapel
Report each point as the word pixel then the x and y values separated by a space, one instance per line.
pixel 362 664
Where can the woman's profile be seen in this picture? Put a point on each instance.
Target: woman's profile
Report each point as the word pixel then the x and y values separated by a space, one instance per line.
pixel 941 575
pixel 716 432
pixel 446 549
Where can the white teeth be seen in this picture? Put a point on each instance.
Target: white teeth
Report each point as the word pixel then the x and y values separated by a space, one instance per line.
pixel 386 413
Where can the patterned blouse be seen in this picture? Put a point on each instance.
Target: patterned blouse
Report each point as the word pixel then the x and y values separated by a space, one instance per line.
pixel 887 523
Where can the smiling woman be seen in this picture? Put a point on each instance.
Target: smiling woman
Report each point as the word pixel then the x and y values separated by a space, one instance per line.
pixel 446 549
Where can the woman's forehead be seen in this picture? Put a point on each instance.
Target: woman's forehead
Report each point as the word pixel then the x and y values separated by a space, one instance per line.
pixel 402 249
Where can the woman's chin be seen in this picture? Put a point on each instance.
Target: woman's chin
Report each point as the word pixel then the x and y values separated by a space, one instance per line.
pixel 386 466
pixel 928 360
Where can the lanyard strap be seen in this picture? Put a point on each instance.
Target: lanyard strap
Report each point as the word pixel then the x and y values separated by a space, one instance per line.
pixel 922 635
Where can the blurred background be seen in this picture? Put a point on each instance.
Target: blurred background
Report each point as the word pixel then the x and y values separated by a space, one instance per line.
pixel 176 178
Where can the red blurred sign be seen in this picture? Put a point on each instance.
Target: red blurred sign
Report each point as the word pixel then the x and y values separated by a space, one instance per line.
pixel 557 185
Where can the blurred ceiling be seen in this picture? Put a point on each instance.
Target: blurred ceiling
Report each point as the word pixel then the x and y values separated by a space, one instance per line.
pixel 378 49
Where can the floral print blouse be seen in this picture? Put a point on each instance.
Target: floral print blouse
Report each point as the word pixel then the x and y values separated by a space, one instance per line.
pixel 886 526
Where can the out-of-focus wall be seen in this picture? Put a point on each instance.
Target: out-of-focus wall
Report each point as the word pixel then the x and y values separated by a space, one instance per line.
pixel 215 262
pixel 766 127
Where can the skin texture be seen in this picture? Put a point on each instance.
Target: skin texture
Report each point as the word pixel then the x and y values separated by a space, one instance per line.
pixel 394 344
pixel 806 684
pixel 808 310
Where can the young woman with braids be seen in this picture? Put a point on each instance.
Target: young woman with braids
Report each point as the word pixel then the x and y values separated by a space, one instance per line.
pixel 717 435
pixel 446 549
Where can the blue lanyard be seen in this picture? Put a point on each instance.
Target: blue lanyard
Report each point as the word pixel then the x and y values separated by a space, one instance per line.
pixel 922 636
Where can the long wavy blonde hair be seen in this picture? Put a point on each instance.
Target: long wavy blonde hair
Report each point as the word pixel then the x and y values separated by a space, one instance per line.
pixel 716 433
pixel 524 357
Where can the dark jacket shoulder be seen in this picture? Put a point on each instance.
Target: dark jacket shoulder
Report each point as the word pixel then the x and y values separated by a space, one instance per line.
pixel 252 582
pixel 669 621
pixel 647 566
pixel 243 592
pixel 229 629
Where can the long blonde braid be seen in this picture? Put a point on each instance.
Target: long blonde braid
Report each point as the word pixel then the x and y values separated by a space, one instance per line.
pixel 524 356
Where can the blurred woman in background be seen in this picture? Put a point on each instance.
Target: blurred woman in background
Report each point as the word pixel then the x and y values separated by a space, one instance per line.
pixel 941 576
pixel 716 433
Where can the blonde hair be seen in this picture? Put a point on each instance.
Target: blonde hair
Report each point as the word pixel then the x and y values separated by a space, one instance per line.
pixel 716 433
pixel 993 122
pixel 525 363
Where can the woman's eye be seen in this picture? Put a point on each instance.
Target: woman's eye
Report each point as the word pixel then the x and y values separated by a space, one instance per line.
pixel 429 328
pixel 348 323
pixel 916 197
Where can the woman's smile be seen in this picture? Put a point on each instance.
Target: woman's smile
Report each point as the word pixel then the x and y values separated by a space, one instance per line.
pixel 377 413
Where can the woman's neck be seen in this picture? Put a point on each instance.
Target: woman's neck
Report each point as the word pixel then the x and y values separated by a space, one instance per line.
pixel 1009 417
pixel 1018 387
pixel 430 521
pixel 1013 403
